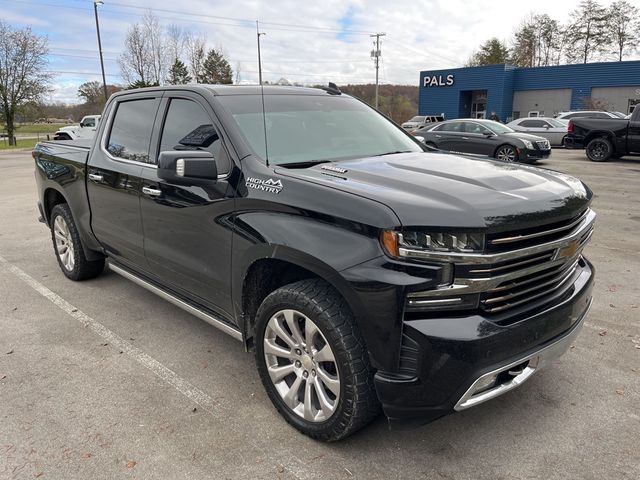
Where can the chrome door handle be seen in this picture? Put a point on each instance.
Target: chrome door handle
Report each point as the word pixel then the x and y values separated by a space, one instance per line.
pixel 96 177
pixel 465 138
pixel 438 136
pixel 153 192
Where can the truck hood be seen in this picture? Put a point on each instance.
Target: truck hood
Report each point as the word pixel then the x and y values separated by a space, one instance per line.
pixel 446 190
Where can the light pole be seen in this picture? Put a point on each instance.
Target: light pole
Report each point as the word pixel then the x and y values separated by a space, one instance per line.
pixel 375 54
pixel 104 80
pixel 258 33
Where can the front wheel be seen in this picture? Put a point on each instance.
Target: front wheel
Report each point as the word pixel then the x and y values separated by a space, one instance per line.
pixel 507 153
pixel 599 150
pixel 312 361
pixel 68 247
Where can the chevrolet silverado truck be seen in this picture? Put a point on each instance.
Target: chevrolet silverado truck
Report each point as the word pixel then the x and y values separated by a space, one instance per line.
pixel 605 138
pixel 365 271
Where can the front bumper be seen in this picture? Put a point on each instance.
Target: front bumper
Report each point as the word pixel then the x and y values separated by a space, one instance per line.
pixel 530 155
pixel 456 354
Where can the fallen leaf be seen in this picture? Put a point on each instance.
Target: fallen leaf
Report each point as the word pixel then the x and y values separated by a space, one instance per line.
pixel 38 475
pixel 10 352
pixel 195 409
pixel 74 310
pixel 87 455
pixel 602 333
pixel 104 344
pixel 612 288
pixel 15 308
pixel 131 463
pixel 280 469
pixel 612 305
pixel 620 391
pixel 121 351
pixel 2 377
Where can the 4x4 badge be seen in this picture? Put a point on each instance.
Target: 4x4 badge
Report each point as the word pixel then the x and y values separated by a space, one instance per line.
pixel 269 185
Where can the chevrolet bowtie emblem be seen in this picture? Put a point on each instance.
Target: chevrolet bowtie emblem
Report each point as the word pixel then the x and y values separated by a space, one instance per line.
pixel 568 251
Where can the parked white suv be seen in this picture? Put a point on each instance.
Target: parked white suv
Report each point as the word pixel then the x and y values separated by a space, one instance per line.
pixel 86 129
pixel 420 121
pixel 564 117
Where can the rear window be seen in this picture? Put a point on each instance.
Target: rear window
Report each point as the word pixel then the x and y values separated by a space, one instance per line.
pixel 130 133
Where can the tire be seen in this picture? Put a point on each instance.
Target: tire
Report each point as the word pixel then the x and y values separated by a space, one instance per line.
pixel 599 150
pixel 506 153
pixel 344 378
pixel 68 247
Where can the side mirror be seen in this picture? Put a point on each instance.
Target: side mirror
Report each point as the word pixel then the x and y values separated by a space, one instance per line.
pixel 546 126
pixel 488 134
pixel 82 125
pixel 187 167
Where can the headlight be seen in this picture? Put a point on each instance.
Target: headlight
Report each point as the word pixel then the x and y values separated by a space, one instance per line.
pixel 412 243
pixel 528 144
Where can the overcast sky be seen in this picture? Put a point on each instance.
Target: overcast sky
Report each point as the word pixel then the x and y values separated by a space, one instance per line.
pixel 307 41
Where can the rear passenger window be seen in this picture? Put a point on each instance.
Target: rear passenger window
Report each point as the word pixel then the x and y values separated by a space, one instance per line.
pixel 130 133
pixel 188 127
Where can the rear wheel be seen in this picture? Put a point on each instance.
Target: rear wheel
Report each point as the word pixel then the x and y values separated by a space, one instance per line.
pixel 312 361
pixel 68 247
pixel 507 153
pixel 599 150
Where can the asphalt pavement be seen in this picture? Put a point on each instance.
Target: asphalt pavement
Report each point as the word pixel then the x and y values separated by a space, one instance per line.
pixel 102 379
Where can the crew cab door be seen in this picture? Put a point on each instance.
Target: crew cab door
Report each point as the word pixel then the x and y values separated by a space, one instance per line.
pixel 114 176
pixel 187 228
pixel 633 132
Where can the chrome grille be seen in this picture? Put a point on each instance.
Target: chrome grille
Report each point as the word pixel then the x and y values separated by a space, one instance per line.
pixel 543 144
pixel 531 287
pixel 537 235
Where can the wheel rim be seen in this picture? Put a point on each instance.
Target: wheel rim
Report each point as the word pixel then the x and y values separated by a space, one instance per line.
pixel 64 243
pixel 598 150
pixel 506 154
pixel 301 365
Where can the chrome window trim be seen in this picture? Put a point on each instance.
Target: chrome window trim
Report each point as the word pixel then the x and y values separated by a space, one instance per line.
pixel 479 258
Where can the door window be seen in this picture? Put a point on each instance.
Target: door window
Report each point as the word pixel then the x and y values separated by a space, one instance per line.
pixel 187 126
pixel 472 127
pixel 450 127
pixel 131 128
pixel 533 123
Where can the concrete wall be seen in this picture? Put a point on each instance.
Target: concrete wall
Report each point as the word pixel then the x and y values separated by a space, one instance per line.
pixel 616 98
pixel 549 101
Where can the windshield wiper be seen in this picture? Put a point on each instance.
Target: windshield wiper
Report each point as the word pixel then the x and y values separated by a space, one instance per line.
pixel 307 164
pixel 392 153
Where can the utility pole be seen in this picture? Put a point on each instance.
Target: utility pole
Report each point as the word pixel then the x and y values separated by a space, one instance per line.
pixel 104 80
pixel 375 54
pixel 258 33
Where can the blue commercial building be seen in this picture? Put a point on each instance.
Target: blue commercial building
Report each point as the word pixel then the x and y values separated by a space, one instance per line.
pixel 514 92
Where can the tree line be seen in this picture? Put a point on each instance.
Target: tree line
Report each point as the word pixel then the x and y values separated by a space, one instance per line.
pixel 592 33
pixel 154 55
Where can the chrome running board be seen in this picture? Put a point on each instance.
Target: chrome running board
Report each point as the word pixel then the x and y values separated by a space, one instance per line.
pixel 219 324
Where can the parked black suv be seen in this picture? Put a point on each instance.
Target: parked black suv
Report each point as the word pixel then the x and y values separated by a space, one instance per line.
pixel 364 271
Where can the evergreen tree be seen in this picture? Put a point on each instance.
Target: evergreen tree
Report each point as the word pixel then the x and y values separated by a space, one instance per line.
pixel 216 69
pixel 178 73
pixel 492 52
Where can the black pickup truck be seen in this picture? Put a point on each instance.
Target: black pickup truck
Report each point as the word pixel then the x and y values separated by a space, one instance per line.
pixel 364 271
pixel 605 138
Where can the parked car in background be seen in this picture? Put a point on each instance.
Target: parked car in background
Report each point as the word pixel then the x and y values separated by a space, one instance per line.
pixel 546 127
pixel 86 129
pixel 421 121
pixel 566 116
pixel 485 137
pixel 605 138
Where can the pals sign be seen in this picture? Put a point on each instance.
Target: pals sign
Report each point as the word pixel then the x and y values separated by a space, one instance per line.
pixel 438 81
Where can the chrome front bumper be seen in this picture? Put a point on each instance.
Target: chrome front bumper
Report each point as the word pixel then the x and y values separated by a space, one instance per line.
pixel 514 374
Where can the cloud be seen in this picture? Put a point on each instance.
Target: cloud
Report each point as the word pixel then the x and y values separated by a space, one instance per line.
pixel 305 41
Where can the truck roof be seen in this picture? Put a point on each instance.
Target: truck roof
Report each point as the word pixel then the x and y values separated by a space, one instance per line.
pixel 235 89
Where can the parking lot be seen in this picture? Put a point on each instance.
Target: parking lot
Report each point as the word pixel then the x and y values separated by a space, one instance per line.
pixel 103 379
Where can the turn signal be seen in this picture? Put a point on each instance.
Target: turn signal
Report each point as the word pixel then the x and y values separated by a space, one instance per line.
pixel 389 241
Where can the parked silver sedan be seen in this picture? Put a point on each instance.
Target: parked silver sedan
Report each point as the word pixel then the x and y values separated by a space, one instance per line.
pixel 549 128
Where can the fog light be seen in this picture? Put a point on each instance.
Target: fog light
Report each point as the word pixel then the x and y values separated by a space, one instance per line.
pixel 485 383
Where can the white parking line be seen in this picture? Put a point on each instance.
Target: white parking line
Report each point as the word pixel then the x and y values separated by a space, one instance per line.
pixel 192 393
pixel 292 463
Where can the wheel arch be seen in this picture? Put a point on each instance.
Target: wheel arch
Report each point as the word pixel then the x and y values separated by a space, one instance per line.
pixel 601 134
pixel 273 266
pixel 52 197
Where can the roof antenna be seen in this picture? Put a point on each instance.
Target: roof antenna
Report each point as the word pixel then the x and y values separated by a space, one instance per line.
pixel 332 89
pixel 264 116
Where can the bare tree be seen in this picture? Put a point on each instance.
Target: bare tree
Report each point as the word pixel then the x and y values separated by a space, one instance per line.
pixel 135 62
pixel 156 45
pixel 587 32
pixel 174 43
pixel 195 46
pixel 537 42
pixel 23 57
pixel 622 26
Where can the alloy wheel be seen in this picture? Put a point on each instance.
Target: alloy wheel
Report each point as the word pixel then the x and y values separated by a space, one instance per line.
pixel 64 243
pixel 598 150
pixel 506 154
pixel 301 365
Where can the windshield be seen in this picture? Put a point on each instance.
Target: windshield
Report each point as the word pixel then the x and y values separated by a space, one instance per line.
pixel 618 114
pixel 418 119
pixel 497 127
pixel 555 123
pixel 314 128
